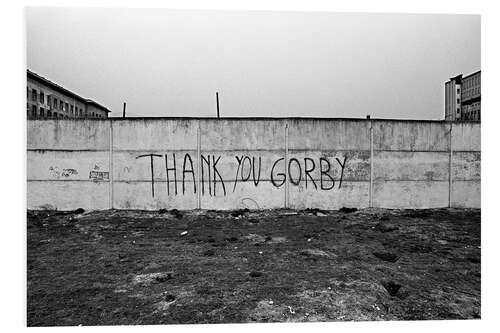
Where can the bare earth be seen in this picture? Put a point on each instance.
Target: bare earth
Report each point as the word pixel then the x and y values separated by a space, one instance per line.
pixel 135 267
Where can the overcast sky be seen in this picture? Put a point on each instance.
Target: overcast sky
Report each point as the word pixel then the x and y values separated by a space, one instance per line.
pixel 279 64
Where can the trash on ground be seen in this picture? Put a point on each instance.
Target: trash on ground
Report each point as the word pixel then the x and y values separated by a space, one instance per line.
pixel 391 287
pixel 76 211
pixel 147 279
pixel 176 213
pixel 255 274
pixel 347 210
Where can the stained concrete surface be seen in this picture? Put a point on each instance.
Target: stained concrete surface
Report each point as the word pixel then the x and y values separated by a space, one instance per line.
pixel 408 162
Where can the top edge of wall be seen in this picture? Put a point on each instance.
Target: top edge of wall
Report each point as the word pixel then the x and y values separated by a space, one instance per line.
pixel 264 118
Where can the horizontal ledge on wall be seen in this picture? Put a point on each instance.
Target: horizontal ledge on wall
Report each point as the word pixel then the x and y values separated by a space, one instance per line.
pixel 425 151
pixel 408 151
pixel 116 150
pixel 231 181
pixel 159 180
pixel 159 150
pixel 69 180
pixel 260 150
pixel 67 150
pixel 312 150
pixel 457 180
pixel 194 150
pixel 375 180
pixel 466 151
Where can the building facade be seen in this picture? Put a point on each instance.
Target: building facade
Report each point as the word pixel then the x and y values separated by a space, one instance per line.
pixel 463 98
pixel 48 100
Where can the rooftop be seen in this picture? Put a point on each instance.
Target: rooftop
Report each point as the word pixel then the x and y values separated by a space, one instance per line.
pixel 59 88
pixel 460 77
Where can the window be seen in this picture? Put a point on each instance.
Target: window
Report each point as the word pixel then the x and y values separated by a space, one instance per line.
pixel 42 112
pixel 71 109
pixel 55 103
pixel 66 107
pixel 49 114
pixel 33 111
pixel 42 97
pixel 33 95
pixel 60 105
pixel 49 101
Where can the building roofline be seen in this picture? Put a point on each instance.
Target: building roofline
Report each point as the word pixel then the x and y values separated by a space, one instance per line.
pixel 479 71
pixel 55 86
pixel 460 77
pixel 89 101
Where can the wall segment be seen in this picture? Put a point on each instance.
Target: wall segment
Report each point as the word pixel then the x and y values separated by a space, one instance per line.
pixel 153 163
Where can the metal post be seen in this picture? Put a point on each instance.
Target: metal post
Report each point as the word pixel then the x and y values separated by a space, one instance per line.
pixel 124 108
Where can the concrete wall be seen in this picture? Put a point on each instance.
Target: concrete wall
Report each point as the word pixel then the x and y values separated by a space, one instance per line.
pixel 256 163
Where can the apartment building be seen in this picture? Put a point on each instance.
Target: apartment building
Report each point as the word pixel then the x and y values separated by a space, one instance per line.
pixel 48 100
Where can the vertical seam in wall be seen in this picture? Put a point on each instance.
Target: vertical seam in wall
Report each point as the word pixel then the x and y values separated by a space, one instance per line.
pixel 450 177
pixel 111 199
pixel 287 204
pixel 370 194
pixel 198 148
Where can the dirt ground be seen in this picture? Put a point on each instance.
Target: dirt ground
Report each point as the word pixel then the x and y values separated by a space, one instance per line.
pixel 136 267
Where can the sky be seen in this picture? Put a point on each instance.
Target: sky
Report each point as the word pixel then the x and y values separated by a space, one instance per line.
pixel 165 63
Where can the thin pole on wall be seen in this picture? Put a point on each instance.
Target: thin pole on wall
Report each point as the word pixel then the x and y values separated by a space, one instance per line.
pixel 217 100
pixel 124 108
pixel 287 199
pixel 370 194
pixel 450 167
